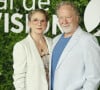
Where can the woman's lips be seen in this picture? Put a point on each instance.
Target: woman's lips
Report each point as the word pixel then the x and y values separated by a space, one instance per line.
pixel 39 28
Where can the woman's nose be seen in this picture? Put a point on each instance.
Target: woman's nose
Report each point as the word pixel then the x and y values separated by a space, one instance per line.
pixel 39 22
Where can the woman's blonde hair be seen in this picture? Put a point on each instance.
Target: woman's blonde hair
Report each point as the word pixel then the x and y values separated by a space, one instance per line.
pixel 38 10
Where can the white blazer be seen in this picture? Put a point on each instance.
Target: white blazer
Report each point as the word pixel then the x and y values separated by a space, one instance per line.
pixel 78 67
pixel 29 72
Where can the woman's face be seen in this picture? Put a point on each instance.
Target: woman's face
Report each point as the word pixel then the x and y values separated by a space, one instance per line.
pixel 38 23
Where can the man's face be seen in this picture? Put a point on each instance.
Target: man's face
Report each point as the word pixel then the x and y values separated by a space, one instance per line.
pixel 68 19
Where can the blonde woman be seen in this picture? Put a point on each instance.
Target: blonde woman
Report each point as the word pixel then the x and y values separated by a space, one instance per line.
pixel 31 55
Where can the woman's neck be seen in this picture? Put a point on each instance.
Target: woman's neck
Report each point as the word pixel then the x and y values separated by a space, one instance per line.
pixel 37 37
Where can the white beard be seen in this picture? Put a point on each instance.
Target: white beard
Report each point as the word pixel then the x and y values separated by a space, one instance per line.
pixel 66 29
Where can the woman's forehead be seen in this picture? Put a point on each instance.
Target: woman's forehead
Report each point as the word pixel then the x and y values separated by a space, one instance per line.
pixel 38 15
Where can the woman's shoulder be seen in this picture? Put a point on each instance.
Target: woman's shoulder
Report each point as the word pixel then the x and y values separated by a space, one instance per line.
pixel 21 42
pixel 48 38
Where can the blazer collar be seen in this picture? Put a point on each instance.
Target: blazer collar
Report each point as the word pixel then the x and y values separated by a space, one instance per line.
pixel 33 46
pixel 72 42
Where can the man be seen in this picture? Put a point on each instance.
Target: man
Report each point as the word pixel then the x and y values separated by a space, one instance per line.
pixel 75 63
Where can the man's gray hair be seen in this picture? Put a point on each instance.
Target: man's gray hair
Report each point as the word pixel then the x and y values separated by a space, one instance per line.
pixel 67 3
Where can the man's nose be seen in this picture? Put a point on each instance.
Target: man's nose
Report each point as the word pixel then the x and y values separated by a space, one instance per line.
pixel 65 20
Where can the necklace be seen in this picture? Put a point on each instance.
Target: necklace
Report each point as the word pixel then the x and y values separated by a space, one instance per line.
pixel 42 50
pixel 41 46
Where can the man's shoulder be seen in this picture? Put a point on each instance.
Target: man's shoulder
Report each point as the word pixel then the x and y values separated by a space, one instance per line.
pixel 85 34
pixel 87 37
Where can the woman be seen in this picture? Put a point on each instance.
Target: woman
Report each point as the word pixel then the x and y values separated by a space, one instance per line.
pixel 31 55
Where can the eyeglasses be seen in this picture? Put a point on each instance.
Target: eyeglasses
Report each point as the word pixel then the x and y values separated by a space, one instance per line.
pixel 36 21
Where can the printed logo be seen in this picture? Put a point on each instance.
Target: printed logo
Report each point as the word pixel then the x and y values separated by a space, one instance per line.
pixel 92 16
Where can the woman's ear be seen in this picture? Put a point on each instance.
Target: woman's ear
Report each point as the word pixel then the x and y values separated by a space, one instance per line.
pixel 29 24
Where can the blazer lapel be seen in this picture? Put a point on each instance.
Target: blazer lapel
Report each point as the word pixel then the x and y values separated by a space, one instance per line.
pixel 34 50
pixel 49 44
pixel 72 42
pixel 38 62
